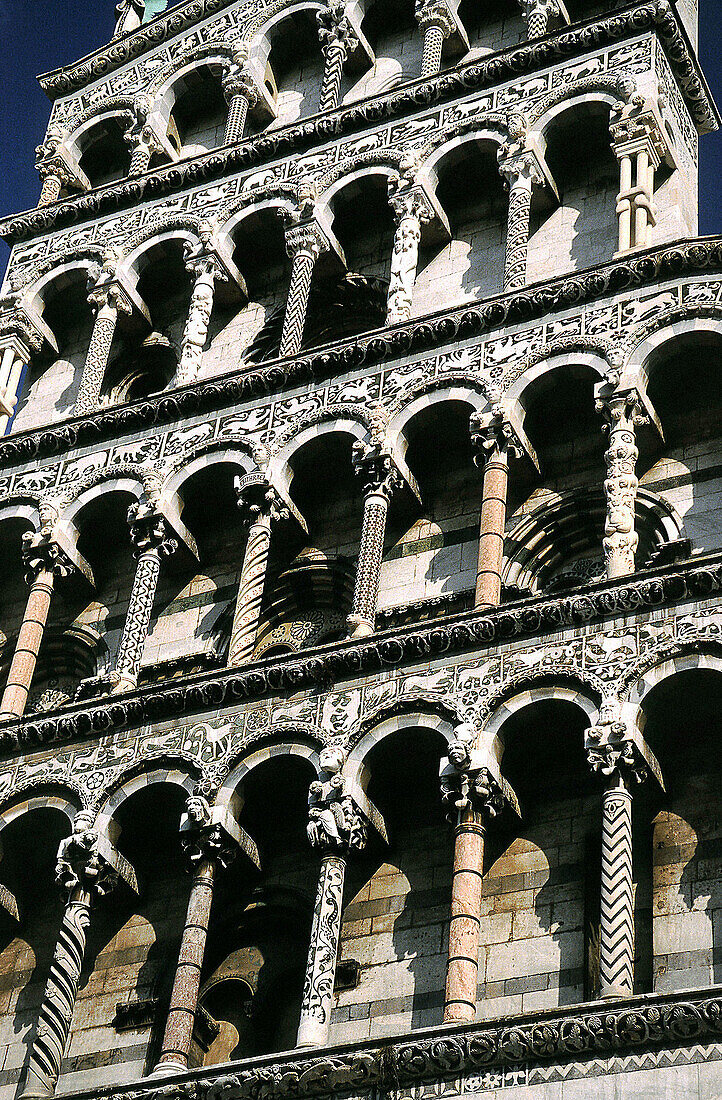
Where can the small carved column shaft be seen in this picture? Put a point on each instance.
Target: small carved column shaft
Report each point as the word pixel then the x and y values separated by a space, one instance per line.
pixel 240 94
pixel 410 209
pixel 22 667
pixel 96 361
pixel 616 928
pixel 622 413
pixel 321 968
pixel 140 159
pixel 61 991
pixel 437 24
pixel 492 523
pixel 200 309
pixel 184 996
pixel 11 369
pixel 334 56
pixel 537 22
pixel 250 592
pixel 462 973
pixel 432 51
pixel 50 190
pixel 150 538
pixel 517 232
pixel 304 244
pixel 337 37
pixel 380 480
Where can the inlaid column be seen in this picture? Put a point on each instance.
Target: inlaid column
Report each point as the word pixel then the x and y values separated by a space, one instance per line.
pixel 521 173
pixel 51 167
pixel 336 827
pixel 87 869
pixel 640 146
pixel 108 300
pixel 141 138
pixel 621 756
pixel 204 270
pixel 44 561
pixel 437 24
pixel 623 412
pixel 261 508
pixel 472 797
pixel 152 542
pixel 495 444
pixel 208 848
pixel 539 13
pixel 241 95
pixel 304 244
pixel 380 479
pixel 338 39
pixel 411 209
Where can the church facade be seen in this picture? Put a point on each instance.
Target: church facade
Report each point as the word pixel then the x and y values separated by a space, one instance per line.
pixel 361 526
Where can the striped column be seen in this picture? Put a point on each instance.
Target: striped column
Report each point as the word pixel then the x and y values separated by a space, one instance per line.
pixel 616 929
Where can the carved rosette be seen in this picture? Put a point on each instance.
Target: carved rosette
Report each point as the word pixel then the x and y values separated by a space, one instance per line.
pixel 623 413
pixel 411 209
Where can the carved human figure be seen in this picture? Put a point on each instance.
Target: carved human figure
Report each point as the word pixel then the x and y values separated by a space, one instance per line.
pixel 411 209
pixel 204 269
pixel 623 412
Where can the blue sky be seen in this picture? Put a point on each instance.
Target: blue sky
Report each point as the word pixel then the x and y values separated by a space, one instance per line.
pixel 38 35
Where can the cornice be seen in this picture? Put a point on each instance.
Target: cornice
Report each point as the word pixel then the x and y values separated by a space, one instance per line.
pixel 510 63
pixel 324 665
pixel 434 330
pixel 575 1034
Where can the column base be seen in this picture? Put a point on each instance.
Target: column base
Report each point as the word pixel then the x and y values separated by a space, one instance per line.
pixel 311 1034
pixel 614 993
pixel 359 628
pixel 168 1069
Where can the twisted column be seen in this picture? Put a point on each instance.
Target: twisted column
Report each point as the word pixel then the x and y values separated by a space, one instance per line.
pixel 338 39
pixel 262 507
pixel 152 542
pixel 44 561
pixel 84 874
pixel 622 759
pixel 520 173
pixel 494 443
pixel 472 797
pixel 336 827
pixel 208 847
pixel 240 94
pixel 411 208
pixel 437 24
pixel 380 479
pixel 622 412
pixel 304 244
pixel 108 300
pixel 204 270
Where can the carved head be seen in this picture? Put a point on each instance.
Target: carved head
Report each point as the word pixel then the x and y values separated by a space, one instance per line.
pixel 331 759
pixel 198 810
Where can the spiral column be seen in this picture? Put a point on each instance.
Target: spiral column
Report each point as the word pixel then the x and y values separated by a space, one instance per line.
pixel 108 300
pixel 380 480
pixel 521 172
pixel 338 39
pixel 304 244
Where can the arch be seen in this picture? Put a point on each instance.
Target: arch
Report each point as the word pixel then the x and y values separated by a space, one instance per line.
pixel 371 730
pixel 666 328
pixel 183 228
pixel 60 269
pixel 102 483
pixel 600 355
pixel 60 796
pixel 408 404
pixel 496 129
pixel 377 162
pixel 179 773
pixel 233 452
pixel 605 88
pixel 660 665
pixel 259 29
pixel 228 795
pixel 21 506
pixel 205 53
pixel 341 421
pixel 523 692
pixel 122 108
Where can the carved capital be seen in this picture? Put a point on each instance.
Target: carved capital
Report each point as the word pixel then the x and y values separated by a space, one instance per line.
pixel 201 259
pixel 17 328
pixel 408 201
pixel 492 432
pixel 548 9
pixel 238 81
pixel 622 410
pixel 467 782
pixel 615 747
pixel 81 863
pixel 335 31
pixel 149 531
pixel 202 838
pixel 335 822
pixel 635 128
pixel 521 168
pixel 306 237
pixel 258 500
pixel 375 468
pixel 41 553
pixel 435 13
pixel 104 289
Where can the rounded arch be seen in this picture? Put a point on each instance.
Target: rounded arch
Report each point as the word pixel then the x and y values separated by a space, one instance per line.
pixel 185 229
pixel 160 88
pixel 644 676
pixel 259 30
pixel 581 351
pixel 382 163
pixel 228 452
pixel 409 403
pixel 669 327
pixel 104 483
pixel 22 507
pixel 121 109
pixel 437 717
pixel 498 130
pixel 58 273
pixel 46 796
pixel 582 692
pixel 180 773
pixel 229 796
pixel 355 423
pixel 605 88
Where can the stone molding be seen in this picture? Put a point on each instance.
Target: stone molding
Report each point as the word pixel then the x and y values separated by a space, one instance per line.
pixel 685 257
pixel 628 1026
pixel 324 665
pixel 511 63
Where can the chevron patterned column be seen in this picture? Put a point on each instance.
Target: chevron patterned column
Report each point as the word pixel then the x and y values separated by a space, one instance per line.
pixel 616 934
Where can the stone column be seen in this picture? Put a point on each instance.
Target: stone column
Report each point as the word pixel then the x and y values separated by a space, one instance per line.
pixel 623 412
pixel 640 147
pixel 18 341
pixel 495 443
pixel 87 869
pixel 51 167
pixel 336 827
pixel 437 24
pixel 304 244
pixel 108 300
pixel 204 270
pixel 44 561
pixel 622 757
pixel 141 138
pixel 521 173
pixel 152 542
pixel 262 507
pixel 539 13
pixel 473 796
pixel 338 39
pixel 411 209
pixel 240 94
pixel 208 848
pixel 380 479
